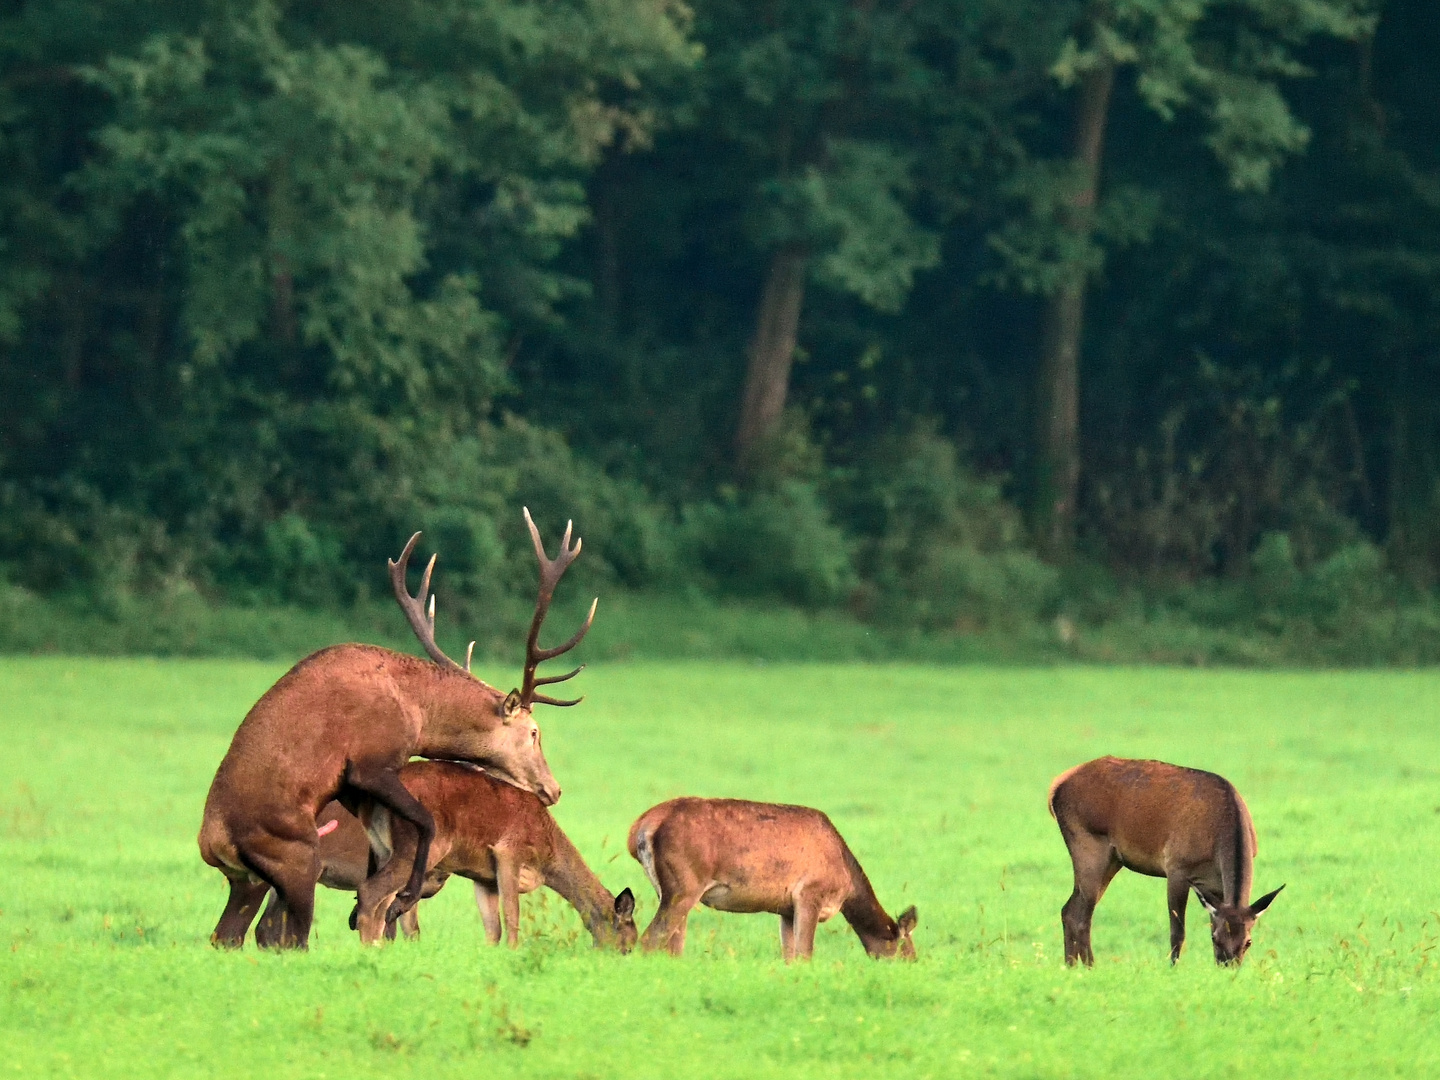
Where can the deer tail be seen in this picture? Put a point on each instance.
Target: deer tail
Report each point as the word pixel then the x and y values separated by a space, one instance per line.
pixel 1055 786
pixel 642 846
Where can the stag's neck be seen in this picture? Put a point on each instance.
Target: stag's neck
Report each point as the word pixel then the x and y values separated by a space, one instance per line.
pixel 451 704
pixel 568 875
pixel 863 911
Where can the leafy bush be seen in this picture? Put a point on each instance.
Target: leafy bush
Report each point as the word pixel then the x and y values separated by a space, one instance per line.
pixel 777 541
pixel 938 546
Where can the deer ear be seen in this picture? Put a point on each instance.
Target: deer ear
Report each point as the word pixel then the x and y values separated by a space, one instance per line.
pixel 907 920
pixel 1206 904
pixel 1258 907
pixel 625 903
pixel 511 703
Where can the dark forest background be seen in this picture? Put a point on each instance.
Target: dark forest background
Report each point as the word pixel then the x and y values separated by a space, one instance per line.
pixel 1111 325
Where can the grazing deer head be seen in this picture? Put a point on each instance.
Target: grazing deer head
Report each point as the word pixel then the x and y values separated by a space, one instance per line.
pixel 507 843
pixel 1231 924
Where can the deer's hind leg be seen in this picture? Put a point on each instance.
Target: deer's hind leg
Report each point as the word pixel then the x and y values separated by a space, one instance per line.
pixel 292 868
pixel 1095 864
pixel 246 896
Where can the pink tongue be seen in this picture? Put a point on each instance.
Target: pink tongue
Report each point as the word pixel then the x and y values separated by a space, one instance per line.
pixel 328 827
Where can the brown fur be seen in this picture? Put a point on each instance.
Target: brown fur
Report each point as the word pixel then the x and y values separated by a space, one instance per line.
pixel 505 841
pixel 345 862
pixel 1187 826
pixel 733 855
pixel 341 724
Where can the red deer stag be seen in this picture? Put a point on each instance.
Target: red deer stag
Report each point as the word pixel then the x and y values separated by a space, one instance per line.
pixel 341 724
pixel 733 855
pixel 1187 826
pixel 501 838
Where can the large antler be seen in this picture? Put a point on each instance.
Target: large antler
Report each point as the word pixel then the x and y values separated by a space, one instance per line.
pixel 414 607
pixel 551 570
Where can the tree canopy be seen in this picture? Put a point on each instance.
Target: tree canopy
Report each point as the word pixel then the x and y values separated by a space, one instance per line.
pixel 912 307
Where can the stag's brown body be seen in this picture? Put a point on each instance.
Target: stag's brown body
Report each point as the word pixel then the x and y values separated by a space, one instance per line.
pixel 505 841
pixel 1189 827
pixel 341 724
pixel 733 855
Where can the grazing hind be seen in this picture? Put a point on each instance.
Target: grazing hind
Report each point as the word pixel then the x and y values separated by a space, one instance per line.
pixel 501 838
pixel 733 855
pixel 1187 826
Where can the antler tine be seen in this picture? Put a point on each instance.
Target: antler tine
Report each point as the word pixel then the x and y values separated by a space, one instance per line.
pixel 540 654
pixel 544 700
pixel 551 570
pixel 549 679
pixel 414 606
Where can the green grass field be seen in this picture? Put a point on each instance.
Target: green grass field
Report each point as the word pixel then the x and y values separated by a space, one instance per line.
pixel 936 776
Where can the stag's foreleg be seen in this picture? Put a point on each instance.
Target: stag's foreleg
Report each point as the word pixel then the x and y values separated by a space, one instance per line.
pixel 384 786
pixel 246 896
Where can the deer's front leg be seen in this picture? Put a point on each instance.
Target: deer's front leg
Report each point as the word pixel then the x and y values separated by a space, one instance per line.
pixel 1177 891
pixel 807 914
pixel 787 937
pixel 507 877
pixel 487 899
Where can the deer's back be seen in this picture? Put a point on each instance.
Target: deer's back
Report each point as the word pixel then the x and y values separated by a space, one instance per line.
pixel 341 704
pixel 1153 813
pixel 756 853
pixel 475 813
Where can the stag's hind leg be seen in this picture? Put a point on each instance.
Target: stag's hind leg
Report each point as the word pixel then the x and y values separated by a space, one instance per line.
pixel 246 896
pixel 292 868
pixel 1095 863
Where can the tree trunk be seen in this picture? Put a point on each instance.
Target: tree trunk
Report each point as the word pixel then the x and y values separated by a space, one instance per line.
pixel 772 349
pixel 1058 397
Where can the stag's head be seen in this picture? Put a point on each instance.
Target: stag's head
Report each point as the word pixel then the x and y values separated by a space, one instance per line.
pixel 504 736
pixel 1231 925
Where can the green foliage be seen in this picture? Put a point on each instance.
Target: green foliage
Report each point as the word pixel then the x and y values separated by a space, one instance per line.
pixel 940 547
pixel 280 284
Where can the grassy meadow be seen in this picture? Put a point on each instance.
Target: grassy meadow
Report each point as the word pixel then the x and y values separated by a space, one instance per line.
pixel 936 776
